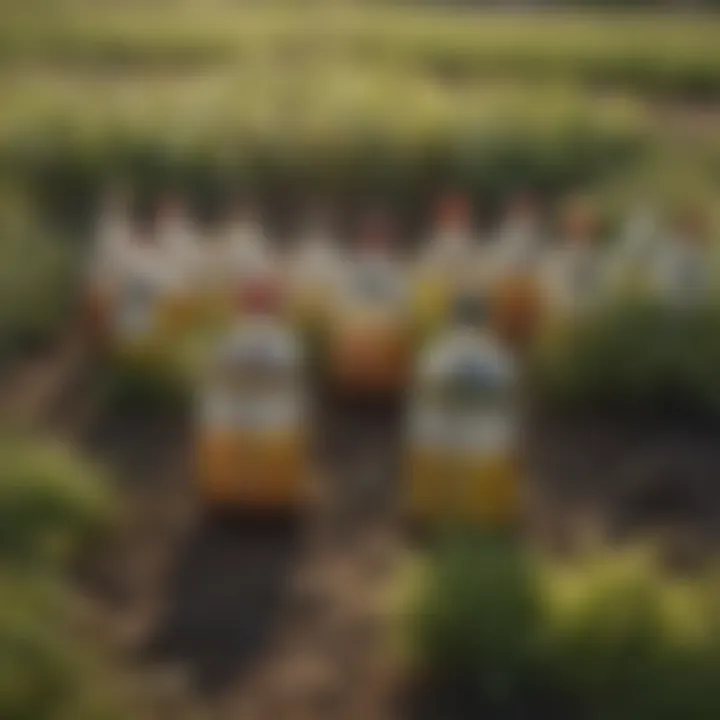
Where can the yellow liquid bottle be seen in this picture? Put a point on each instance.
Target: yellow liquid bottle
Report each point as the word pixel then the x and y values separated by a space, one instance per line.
pixel 251 448
pixel 461 463
pixel 370 332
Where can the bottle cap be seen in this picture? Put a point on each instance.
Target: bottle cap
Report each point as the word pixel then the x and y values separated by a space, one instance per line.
pixel 261 296
pixel 453 209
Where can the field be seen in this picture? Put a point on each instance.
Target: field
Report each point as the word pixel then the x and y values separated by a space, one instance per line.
pixel 197 616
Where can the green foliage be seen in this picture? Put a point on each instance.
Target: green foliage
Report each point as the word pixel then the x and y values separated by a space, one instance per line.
pixel 647 52
pixel 629 642
pixel 51 505
pixel 36 280
pixel 48 669
pixel 149 381
pixel 637 357
pixel 338 128
pixel 475 627
pixel 609 635
pixel 51 502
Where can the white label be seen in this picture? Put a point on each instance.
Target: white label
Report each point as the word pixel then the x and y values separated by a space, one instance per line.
pixel 478 433
pixel 256 414
pixel 136 311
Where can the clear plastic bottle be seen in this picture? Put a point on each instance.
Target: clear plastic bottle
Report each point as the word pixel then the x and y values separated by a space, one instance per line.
pixel 314 272
pixel 509 268
pixel 443 265
pixel 462 443
pixel 634 253
pixel 114 233
pixel 251 447
pixel 142 299
pixel 247 253
pixel 574 281
pixel 178 239
pixel 370 330
pixel 683 271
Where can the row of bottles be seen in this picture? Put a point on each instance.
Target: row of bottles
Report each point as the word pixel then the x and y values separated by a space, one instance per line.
pixel 443 325
pixel 189 278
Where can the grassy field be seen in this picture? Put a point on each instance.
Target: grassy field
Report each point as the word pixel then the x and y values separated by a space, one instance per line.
pixel 655 53
pixel 359 99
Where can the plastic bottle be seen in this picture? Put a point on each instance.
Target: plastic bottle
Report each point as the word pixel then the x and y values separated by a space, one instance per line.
pixel 443 265
pixel 251 448
pixel 178 239
pixel 462 444
pixel 633 254
pixel 369 333
pixel 509 271
pixel 683 273
pixel 574 272
pixel 113 235
pixel 144 289
pixel 314 274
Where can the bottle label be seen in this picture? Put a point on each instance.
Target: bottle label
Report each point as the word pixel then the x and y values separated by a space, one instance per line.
pixel 252 413
pixel 479 433
pixel 137 310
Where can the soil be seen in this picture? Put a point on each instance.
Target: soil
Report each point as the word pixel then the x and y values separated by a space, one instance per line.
pixel 275 619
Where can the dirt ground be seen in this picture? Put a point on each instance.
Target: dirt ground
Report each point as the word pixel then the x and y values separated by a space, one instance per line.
pixel 276 619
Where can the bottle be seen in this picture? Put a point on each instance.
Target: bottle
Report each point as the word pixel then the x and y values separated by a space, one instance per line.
pixel 462 441
pixel 314 272
pixel 573 273
pixel 178 239
pixel 113 234
pixel 369 333
pixel 683 272
pixel 509 271
pixel 247 252
pixel 633 254
pixel 252 449
pixel 443 264
pixel 144 290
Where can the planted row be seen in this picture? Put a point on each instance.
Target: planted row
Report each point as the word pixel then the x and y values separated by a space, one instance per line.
pixel 493 630
pixel 649 53
pixel 346 132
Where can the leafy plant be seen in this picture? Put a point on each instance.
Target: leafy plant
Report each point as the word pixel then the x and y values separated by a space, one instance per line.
pixel 51 502
pixel 641 356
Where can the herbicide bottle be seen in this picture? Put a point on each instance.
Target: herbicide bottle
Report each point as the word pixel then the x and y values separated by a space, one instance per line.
pixel 633 255
pixel 251 443
pixel 178 239
pixel 144 293
pixel 573 275
pixel 113 236
pixel 684 270
pixel 369 334
pixel 314 276
pixel 443 264
pixel 462 462
pixel 510 275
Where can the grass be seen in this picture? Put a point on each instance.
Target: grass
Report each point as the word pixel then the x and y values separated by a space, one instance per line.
pixel 51 502
pixel 638 357
pixel 646 52
pixel 610 634
pixel 340 129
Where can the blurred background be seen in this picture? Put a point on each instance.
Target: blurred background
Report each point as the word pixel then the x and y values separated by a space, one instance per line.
pixel 119 598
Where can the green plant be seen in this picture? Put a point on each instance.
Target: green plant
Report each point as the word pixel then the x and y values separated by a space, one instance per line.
pixel 343 129
pixel 475 627
pixel 37 276
pixel 608 635
pixel 635 356
pixel 51 502
pixel 49 668
pixel 628 641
